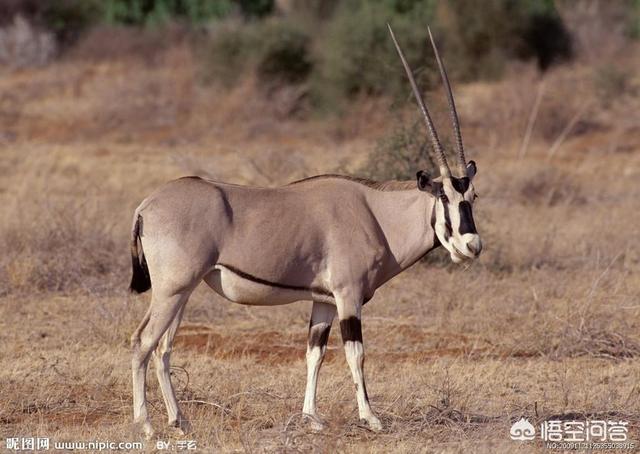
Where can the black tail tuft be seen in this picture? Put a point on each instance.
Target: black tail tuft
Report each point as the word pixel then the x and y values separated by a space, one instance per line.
pixel 140 280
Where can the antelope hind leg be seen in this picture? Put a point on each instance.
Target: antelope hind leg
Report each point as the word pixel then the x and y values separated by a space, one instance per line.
pixel 161 358
pixel 162 311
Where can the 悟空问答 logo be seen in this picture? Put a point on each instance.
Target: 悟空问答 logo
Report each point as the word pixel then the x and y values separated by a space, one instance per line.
pixel 522 430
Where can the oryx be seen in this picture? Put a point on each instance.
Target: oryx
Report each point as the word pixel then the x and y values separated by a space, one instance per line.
pixel 330 239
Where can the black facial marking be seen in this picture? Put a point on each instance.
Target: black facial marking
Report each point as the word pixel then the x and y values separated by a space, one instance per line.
pixel 460 184
pixel 447 221
pixel 433 218
pixel 319 335
pixel 466 218
pixel 438 192
pixel 351 329
pixel 436 188
pixel 436 241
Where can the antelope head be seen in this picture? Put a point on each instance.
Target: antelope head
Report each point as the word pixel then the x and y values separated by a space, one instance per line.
pixel 452 216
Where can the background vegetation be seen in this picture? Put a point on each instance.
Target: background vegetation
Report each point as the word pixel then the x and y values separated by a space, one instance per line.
pixel 338 47
pixel 334 50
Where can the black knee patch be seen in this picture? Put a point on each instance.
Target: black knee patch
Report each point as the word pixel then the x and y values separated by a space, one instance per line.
pixel 318 337
pixel 351 329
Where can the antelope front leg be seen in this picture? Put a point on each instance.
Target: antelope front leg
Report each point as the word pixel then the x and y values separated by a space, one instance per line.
pixel 351 329
pixel 322 315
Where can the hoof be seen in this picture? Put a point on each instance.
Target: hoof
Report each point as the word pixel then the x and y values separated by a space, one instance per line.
pixel 180 427
pixel 373 423
pixel 145 428
pixel 315 423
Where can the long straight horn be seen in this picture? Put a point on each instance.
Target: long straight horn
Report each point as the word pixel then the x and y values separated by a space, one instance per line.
pixel 435 142
pixel 452 109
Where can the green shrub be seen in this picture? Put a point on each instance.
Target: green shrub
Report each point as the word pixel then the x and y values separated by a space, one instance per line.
pixel 283 53
pixel 67 19
pixel 356 55
pixel 400 154
pixel 610 83
pixel 142 12
pixel 482 36
pixel 256 8
pixel 225 53
pixel 276 49
pixel 634 19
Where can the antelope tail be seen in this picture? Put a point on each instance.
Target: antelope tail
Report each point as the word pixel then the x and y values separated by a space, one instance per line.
pixel 140 280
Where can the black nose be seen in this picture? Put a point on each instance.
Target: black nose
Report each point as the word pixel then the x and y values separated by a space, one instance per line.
pixel 475 247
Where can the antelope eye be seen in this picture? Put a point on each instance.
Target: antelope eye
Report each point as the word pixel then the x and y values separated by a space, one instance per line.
pixel 444 198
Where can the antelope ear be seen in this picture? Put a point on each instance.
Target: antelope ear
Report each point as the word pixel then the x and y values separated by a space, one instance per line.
pixel 424 181
pixel 471 169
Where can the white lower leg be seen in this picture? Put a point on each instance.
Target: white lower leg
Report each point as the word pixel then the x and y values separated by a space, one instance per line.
pixel 139 371
pixel 355 358
pixel 322 315
pixel 162 312
pixel 351 329
pixel 162 357
pixel 315 356
pixel 164 379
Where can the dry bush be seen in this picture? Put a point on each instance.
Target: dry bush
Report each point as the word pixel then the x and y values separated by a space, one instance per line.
pixel 60 249
pixel 597 342
pixel 399 155
pixel 23 44
pixel 276 50
pixel 112 42
pixel 611 83
pixel 559 103
pixel 600 30
pixel 59 239
pixel 550 187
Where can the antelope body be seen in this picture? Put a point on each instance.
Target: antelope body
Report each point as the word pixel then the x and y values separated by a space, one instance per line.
pixel 330 239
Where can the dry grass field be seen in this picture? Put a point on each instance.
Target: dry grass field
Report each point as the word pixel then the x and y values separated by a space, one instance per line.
pixel 545 325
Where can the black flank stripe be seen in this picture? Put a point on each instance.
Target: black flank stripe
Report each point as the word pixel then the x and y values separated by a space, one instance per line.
pixel 351 329
pixel 319 291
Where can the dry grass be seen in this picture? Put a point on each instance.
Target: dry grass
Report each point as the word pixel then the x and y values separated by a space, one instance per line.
pixel 545 324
